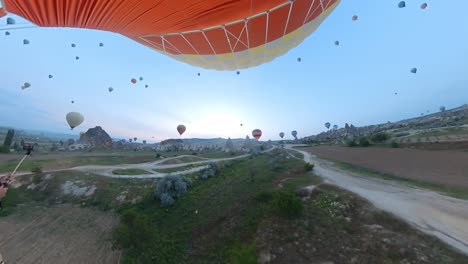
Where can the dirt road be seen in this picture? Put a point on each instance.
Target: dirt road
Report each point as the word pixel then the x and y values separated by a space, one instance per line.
pixel 432 213
pixel 61 234
pixel 442 167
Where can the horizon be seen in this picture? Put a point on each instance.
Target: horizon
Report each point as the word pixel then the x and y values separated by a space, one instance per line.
pixel 331 84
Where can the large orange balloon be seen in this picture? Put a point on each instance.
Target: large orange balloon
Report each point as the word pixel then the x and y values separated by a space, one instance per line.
pixel 213 34
pixel 181 129
pixel 257 133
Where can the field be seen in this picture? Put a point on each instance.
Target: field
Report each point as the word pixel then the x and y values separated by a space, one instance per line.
pixel 248 213
pixel 447 168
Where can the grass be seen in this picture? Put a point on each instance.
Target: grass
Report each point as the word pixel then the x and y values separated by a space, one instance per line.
pixel 129 172
pixel 447 190
pixel 195 230
pixel 453 131
pixel 181 168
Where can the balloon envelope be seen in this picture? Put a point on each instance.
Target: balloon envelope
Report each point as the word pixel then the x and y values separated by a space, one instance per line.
pixel 111 89
pixel 25 41
pixel 424 6
pixel 181 129
pixel 414 70
pixel 212 34
pixel 10 21
pixel 401 4
pixel 294 133
pixel 257 133
pixel 133 81
pixel 354 18
pixel 327 125
pixel 74 119
pixel 281 134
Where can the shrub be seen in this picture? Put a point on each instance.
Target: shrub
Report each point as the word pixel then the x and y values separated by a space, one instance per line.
pixel 158 155
pixel 170 188
pixel 37 170
pixel 351 143
pixel 286 203
pixel 380 137
pixel 264 196
pixel 194 153
pixel 395 144
pixel 364 142
pixel 212 170
pixel 308 166
pixel 244 254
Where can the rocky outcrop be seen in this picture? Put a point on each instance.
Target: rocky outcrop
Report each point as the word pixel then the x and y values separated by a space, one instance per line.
pixel 96 137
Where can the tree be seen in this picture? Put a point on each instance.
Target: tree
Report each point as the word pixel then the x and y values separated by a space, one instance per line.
pixel 442 108
pixel 9 138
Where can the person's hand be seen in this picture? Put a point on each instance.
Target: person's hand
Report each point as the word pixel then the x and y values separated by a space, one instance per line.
pixel 3 191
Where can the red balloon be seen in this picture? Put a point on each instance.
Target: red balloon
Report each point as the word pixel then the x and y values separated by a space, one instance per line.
pixel 134 80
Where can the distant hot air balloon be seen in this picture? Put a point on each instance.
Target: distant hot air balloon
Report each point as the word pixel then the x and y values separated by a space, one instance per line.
pixel 257 133
pixel 294 133
pixel 111 89
pixel 337 43
pixel 133 80
pixel 7 33
pixel 281 134
pixel 10 21
pixel 135 139
pixel 141 78
pixel 101 44
pixel 77 58
pixel 198 74
pixel 144 141
pixel 241 124
pixel 424 6
pixel 237 72
pixel 355 17
pixel 130 140
pixel 299 59
pixel 73 45
pixel 72 102
pixel 74 119
pixel 401 4
pixel 200 33
pixel 327 125
pixel 146 86
pixel 25 42
pixel 181 129
pixel 50 76
pixel 414 70
pixel 335 127
pixel 25 85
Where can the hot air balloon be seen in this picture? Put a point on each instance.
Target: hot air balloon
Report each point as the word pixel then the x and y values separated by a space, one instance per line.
pixel 327 125
pixel 401 4
pixel 337 43
pixel 241 124
pixel 237 72
pixel 198 74
pixel 335 127
pixel 141 78
pixel 10 21
pixel 7 33
pixel 257 133
pixel 25 85
pixel 50 76
pixel 212 34
pixel 72 102
pixel 181 129
pixel 74 119
pixel 414 70
pixel 73 45
pixel 25 42
pixel 135 139
pixel 281 135
pixel 101 44
pixel 354 18
pixel 424 6
pixel 294 134
pixel 77 58
pixel 111 89
pixel 133 80
pixel 130 140
pixel 146 86
pixel 299 59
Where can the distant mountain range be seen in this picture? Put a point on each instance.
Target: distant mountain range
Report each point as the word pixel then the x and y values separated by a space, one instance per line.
pixel 39 133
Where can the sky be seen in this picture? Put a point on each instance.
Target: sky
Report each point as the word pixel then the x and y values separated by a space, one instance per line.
pixel 353 83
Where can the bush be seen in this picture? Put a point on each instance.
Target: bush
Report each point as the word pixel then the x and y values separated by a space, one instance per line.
pixel 194 153
pixel 308 166
pixel 158 156
pixel 364 142
pixel 212 170
pixel 380 137
pixel 37 170
pixel 170 188
pixel 395 144
pixel 244 254
pixel 351 143
pixel 264 196
pixel 286 203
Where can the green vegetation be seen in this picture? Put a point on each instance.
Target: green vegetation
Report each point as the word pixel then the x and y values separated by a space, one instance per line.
pixel 129 172
pixel 175 169
pixel 195 228
pixel 395 144
pixel 460 193
pixel 364 142
pixel 171 188
pixel 453 131
pixel 286 203
pixel 308 166
pixel 351 143
pixel 380 137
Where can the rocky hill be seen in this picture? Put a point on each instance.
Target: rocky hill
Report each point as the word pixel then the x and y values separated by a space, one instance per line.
pixel 96 137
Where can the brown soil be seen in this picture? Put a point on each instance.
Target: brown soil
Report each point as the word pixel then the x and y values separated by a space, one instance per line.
pixel 449 168
pixel 60 234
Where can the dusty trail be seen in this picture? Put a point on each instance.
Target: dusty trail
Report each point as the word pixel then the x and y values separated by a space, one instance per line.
pixel 432 213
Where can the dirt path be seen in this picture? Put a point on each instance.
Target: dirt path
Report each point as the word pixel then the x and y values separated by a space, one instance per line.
pixel 432 213
pixel 61 234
